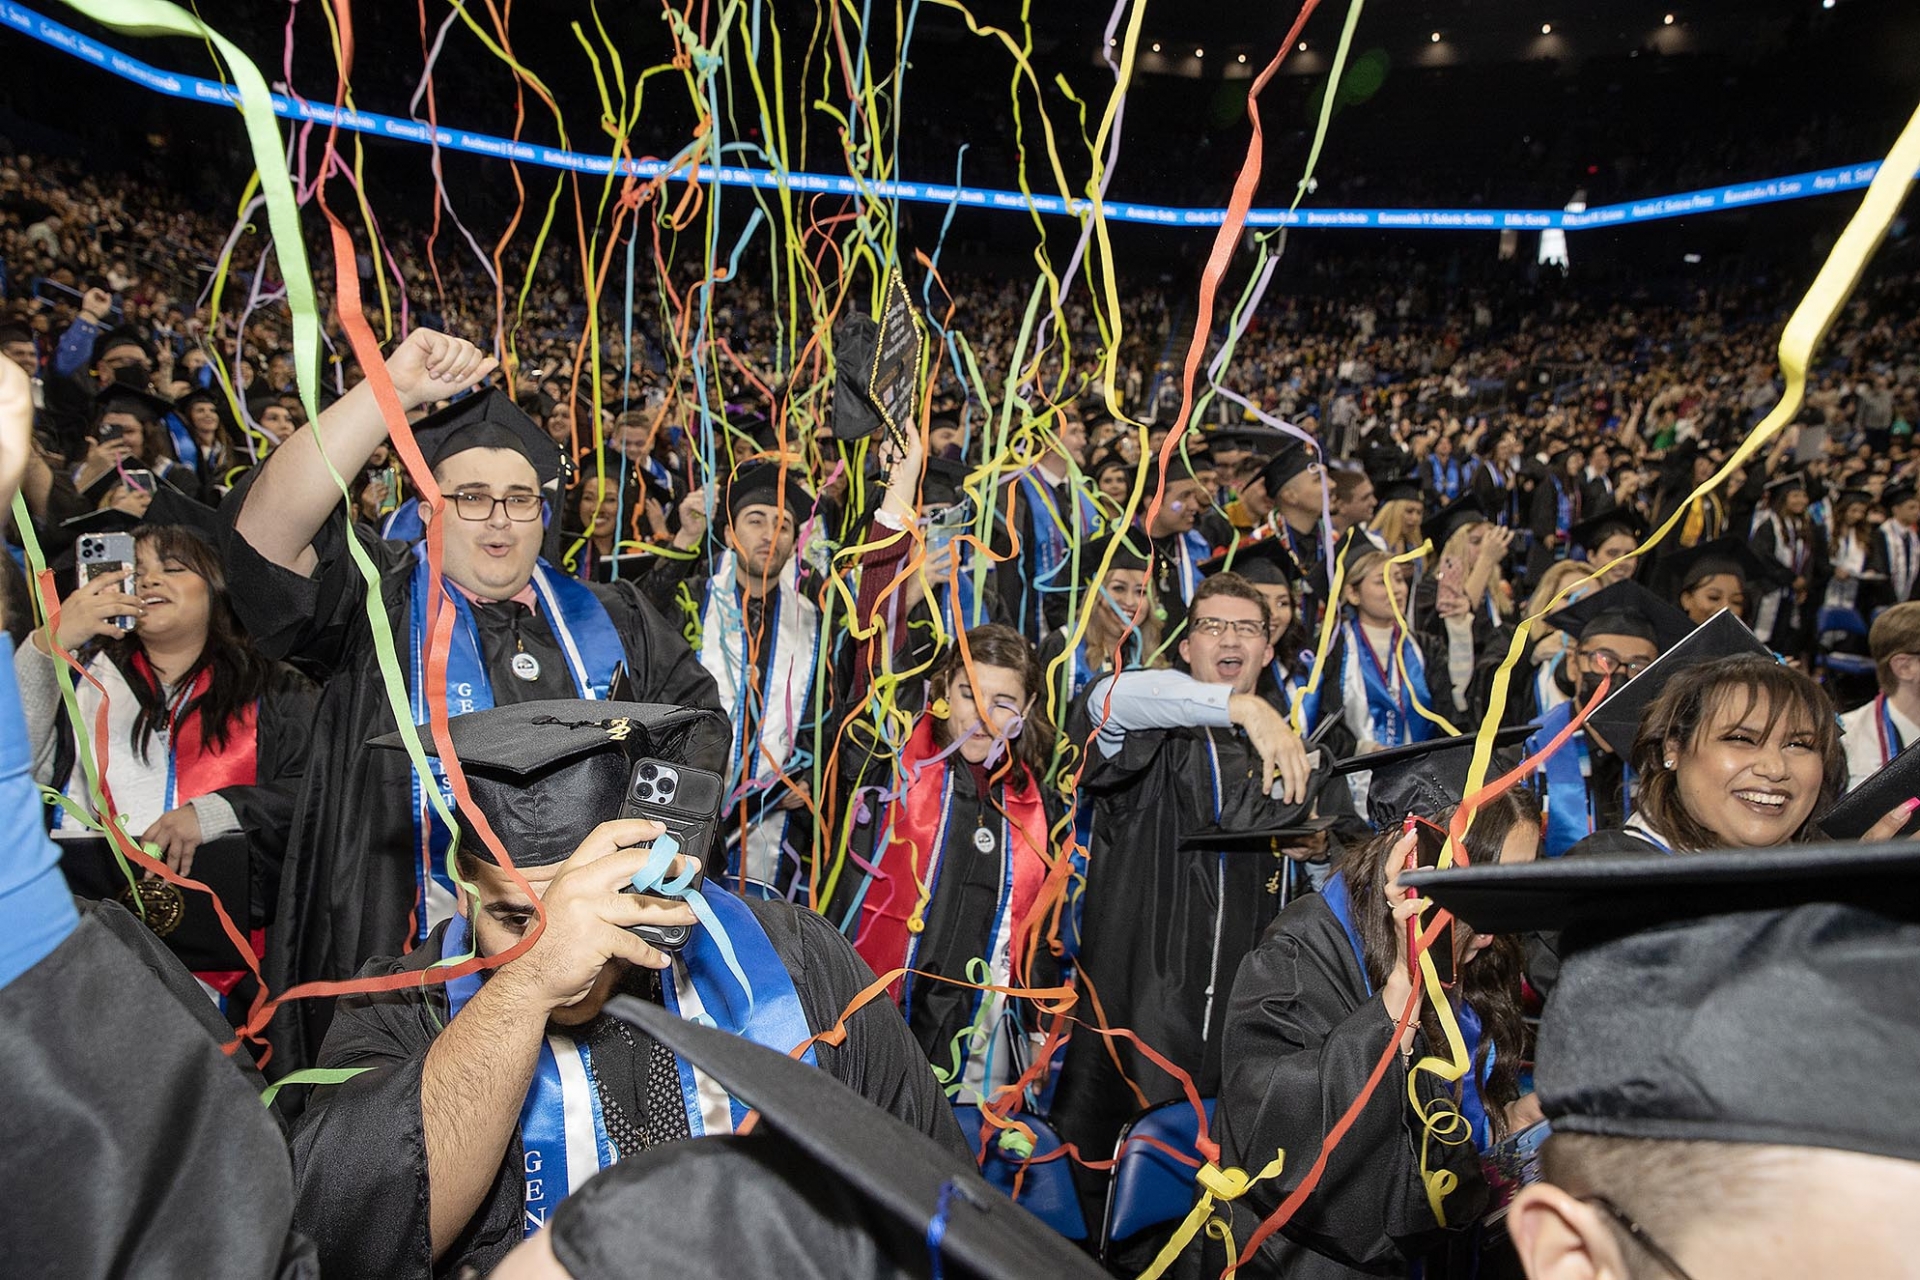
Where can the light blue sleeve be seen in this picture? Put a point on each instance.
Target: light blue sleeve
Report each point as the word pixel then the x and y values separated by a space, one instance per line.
pixel 36 910
pixel 1135 700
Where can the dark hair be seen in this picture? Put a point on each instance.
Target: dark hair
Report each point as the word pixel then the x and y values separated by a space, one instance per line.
pixel 1492 982
pixel 996 646
pixel 1620 622
pixel 240 673
pixel 1688 705
pixel 1345 482
pixel 1294 643
pixel 1234 587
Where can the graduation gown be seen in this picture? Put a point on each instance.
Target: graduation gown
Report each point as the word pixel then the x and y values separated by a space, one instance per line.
pixel 359 1152
pixel 350 880
pixel 1162 929
pixel 1303 1034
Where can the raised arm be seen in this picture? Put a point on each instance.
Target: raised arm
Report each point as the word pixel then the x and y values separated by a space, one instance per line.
pixel 295 493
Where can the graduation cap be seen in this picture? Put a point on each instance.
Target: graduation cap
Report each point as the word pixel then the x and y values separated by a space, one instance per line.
pixel 545 773
pixel 944 482
pixel 488 419
pixel 1594 530
pixel 1895 782
pixel 1127 558
pixel 1456 515
pixel 768 484
pixel 1262 561
pixel 1295 457
pixel 170 506
pixel 1399 489
pixel 1186 460
pixel 1623 609
pixel 1617 720
pixel 105 520
pixel 826 1175
pixel 1262 440
pixel 1424 779
pixel 1754 995
pixel 1695 565
pixel 1263 840
pixel 1898 492
pixel 122 397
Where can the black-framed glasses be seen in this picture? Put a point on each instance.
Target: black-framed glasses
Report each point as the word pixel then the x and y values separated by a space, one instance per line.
pixel 1247 627
pixel 1607 661
pixel 1638 1234
pixel 474 504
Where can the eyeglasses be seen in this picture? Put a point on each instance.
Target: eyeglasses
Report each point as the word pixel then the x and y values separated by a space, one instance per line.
pixel 473 504
pixel 1638 1234
pixel 1608 661
pixel 1239 626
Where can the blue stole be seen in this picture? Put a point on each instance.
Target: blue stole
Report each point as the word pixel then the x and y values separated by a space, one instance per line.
pixel 1473 1107
pixel 587 637
pixel 1194 552
pixel 185 447
pixel 1053 534
pixel 1446 480
pixel 1569 798
pixel 1562 506
pixel 563 1131
pixel 1392 715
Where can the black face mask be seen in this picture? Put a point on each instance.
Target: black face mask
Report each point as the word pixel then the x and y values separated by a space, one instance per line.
pixel 1590 686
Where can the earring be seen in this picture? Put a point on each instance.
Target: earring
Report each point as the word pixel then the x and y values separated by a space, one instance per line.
pixel 940 709
pixel 1670 762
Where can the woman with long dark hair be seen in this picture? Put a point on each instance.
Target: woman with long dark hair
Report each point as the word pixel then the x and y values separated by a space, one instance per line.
pixel 1313 1012
pixel 204 736
pixel 948 864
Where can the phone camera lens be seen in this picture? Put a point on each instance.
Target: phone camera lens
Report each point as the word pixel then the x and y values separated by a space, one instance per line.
pixel 643 792
pixel 666 791
pixel 648 772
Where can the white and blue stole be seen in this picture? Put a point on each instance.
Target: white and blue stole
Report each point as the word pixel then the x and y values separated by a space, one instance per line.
pixel 1448 479
pixel 593 651
pixel 1567 773
pixel 1054 533
pixel 563 1131
pixel 754 769
pixel 1393 719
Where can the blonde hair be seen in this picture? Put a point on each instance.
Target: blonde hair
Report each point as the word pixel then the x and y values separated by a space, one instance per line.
pixel 1562 572
pixel 1398 522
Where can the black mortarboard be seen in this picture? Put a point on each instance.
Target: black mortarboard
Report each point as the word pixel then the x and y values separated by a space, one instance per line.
pixel 1617 720
pixel 1854 495
pixel 1186 461
pixel 1425 779
pixel 170 506
pixel 1895 782
pixel 826 1175
pixel 1896 493
pixel 1261 840
pixel 1623 605
pixel 1293 458
pixel 1450 519
pixel 199 394
pixel 1790 481
pixel 1594 530
pixel 1399 489
pixel 1682 569
pixel 105 520
pixel 944 482
pixel 488 419
pixel 1127 557
pixel 1262 561
pixel 769 484
pixel 119 397
pixel 546 773
pixel 1262 440
pixel 1755 995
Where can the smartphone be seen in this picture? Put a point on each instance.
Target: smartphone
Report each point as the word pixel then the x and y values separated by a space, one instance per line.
pixel 140 478
pixel 107 432
pixel 107 555
pixel 1429 840
pixel 686 801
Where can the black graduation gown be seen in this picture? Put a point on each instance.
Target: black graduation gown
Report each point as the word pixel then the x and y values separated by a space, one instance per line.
pixel 359 1151
pixel 1302 1036
pixel 348 885
pixel 1162 930
pixel 134 1146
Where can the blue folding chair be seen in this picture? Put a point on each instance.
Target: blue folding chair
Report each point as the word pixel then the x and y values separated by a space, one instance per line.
pixel 1836 626
pixel 1047 1191
pixel 1149 1187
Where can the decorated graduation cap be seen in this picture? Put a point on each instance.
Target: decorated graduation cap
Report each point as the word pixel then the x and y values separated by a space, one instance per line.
pixel 546 773
pixel 1294 458
pixel 1262 562
pixel 1623 609
pixel 768 484
pixel 1721 637
pixel 1463 511
pixel 827 1184
pixel 1688 568
pixel 1595 530
pixel 1425 779
pixel 1753 996
pixel 488 419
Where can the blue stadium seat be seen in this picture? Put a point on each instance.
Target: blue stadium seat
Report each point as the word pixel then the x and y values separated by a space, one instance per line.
pixel 1047 1191
pixel 1150 1187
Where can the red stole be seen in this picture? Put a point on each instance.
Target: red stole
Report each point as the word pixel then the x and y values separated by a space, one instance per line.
pixel 917 826
pixel 195 769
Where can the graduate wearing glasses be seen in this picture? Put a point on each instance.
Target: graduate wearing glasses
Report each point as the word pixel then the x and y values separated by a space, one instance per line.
pixel 366 869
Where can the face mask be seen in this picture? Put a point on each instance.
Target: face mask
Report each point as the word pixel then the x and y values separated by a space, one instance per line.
pixel 1590 686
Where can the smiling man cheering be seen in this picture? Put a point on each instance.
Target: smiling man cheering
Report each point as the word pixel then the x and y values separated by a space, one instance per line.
pixel 366 864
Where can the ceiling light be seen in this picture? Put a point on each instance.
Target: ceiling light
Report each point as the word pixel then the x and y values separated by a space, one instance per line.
pixel 1667 21
pixel 1303 46
pixel 1826 4
pixel 1156 46
pixel 1241 58
pixel 1546 28
pixel 1199 53
pixel 1434 38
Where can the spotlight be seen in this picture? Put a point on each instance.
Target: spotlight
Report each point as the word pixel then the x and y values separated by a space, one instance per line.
pixel 1241 58
pixel 1303 46
pixel 1156 46
pixel 1434 38
pixel 1199 53
pixel 1546 28
pixel 1667 21
pixel 1826 4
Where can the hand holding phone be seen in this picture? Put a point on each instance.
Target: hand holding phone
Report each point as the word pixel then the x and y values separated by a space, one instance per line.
pixel 686 801
pixel 108 558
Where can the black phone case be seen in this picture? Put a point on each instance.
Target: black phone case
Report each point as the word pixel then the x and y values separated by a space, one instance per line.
pixel 690 815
